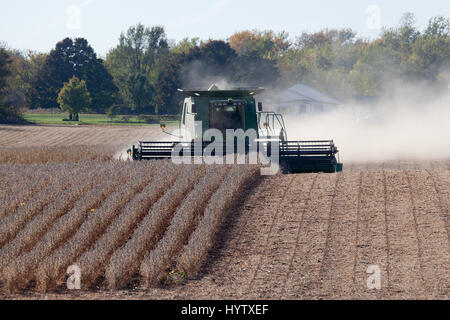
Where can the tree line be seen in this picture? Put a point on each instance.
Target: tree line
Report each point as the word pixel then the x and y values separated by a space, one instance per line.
pixel 142 73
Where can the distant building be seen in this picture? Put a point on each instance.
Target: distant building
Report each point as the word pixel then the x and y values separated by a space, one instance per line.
pixel 302 99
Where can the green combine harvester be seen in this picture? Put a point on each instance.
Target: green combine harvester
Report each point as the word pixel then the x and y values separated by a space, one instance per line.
pixel 236 109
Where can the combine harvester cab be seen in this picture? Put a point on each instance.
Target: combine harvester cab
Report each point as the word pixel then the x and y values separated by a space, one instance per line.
pixel 236 109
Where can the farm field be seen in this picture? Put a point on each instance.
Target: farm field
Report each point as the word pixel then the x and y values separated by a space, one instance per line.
pixel 157 231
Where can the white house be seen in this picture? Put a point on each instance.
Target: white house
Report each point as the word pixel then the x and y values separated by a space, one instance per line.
pixel 301 99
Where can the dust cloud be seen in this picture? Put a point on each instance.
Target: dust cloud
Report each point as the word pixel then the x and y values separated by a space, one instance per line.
pixel 409 123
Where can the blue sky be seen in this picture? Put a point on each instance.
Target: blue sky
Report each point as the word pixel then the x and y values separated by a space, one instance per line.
pixel 38 25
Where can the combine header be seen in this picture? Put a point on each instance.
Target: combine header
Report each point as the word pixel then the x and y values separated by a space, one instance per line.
pixel 236 109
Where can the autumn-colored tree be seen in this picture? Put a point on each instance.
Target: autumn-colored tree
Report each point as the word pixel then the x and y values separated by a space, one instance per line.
pixel 264 44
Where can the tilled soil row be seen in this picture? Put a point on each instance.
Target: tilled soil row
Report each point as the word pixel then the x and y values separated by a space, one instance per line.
pixel 326 235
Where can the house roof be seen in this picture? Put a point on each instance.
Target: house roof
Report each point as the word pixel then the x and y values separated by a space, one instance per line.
pixel 304 93
pixel 291 96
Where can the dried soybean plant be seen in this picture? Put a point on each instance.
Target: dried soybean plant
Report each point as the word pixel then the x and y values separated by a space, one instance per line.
pixel 53 267
pixel 126 260
pixel 19 272
pixel 158 260
pixel 115 218
pixel 40 176
pixel 93 261
pixel 57 154
pixel 38 226
pixel 14 222
pixel 13 175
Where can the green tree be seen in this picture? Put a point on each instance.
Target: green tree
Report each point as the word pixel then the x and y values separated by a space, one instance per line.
pixel 184 45
pixel 439 27
pixel 323 60
pixel 430 54
pixel 166 96
pixel 4 73
pixel 74 97
pixel 8 112
pixel 254 71
pixel 212 61
pixel 134 65
pixel 72 58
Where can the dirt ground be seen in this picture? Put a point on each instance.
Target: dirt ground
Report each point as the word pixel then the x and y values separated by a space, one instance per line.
pixel 314 236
